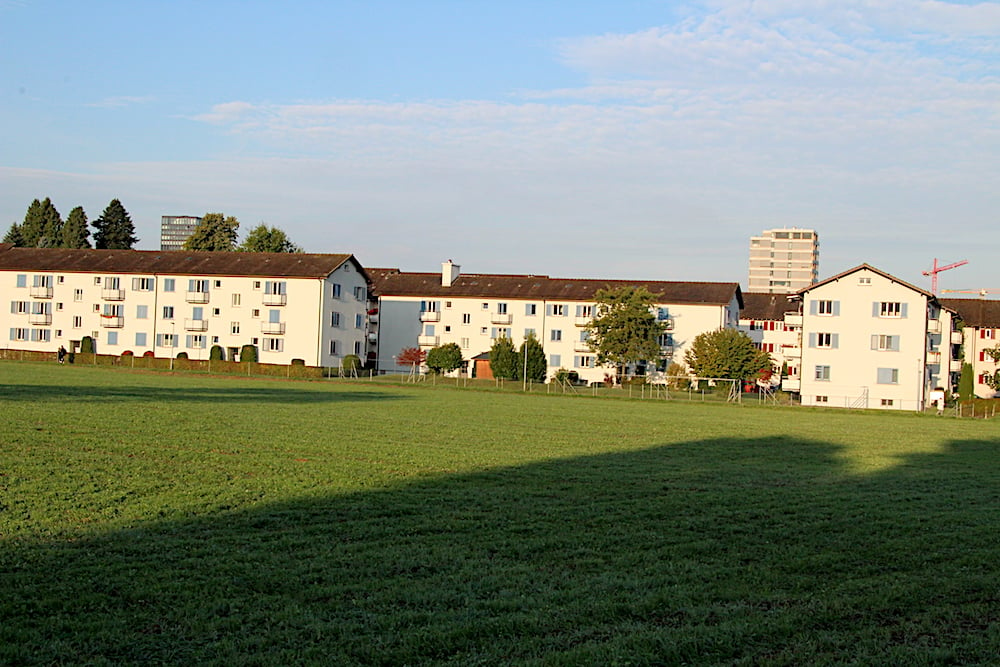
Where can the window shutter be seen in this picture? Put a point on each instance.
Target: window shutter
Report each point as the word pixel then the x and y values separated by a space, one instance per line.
pixel 13 333
pixel 894 343
pixel 812 338
pixel 902 310
pixel 548 309
pixel 834 340
pixel 874 341
pixel 836 308
pixel 875 310
pixel 187 341
pixel 13 307
pixel 812 307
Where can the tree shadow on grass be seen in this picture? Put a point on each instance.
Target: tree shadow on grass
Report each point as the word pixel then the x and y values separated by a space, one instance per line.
pixel 276 393
pixel 712 552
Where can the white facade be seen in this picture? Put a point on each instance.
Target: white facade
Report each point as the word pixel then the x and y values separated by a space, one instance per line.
pixel 474 322
pixel 773 323
pixel 872 341
pixel 783 260
pixel 981 333
pixel 55 301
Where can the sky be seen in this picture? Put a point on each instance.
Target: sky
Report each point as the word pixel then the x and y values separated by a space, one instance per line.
pixel 628 139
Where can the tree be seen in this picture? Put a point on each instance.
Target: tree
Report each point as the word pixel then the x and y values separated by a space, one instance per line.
pixel 14 236
pixel 350 365
pixel 413 357
pixel 75 233
pixel 503 359
pixel 444 358
pixel 52 225
pixel 217 353
pixel 993 381
pixel 214 232
pixel 114 229
pixel 248 353
pixel 624 329
pixel 267 239
pixel 532 365
pixel 965 382
pixel 33 225
pixel 726 354
pixel 86 345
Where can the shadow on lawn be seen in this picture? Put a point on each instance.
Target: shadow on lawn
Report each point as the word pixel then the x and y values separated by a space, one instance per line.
pixel 712 552
pixel 273 393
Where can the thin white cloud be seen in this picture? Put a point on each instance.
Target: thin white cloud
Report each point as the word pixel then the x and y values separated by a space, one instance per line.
pixel 121 101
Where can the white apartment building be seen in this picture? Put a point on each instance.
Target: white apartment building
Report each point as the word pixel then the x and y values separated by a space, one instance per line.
pixel 981 321
pixel 773 324
pixel 783 260
pixel 870 340
pixel 290 306
pixel 175 230
pixel 473 310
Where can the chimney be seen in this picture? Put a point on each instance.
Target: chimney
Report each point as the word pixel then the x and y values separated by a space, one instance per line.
pixel 449 271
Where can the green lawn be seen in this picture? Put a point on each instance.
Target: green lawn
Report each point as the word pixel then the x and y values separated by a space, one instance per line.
pixel 161 519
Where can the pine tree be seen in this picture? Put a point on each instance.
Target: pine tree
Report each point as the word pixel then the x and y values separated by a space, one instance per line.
pixel 33 225
pixel 75 233
pixel 13 235
pixel 52 225
pixel 531 362
pixel 503 359
pixel 114 229
pixel 214 232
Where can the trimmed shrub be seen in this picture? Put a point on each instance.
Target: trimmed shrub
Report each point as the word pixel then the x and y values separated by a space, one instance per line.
pixel 148 353
pixel 217 353
pixel 248 353
pixel 86 345
pixel 182 355
pixel 298 362
pixel 350 365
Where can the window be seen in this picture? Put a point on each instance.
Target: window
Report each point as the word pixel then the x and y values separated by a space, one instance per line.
pixel 97 280
pixel 557 309
pixel 464 343
pixel 430 306
pixel 112 338
pixel 58 333
pixel 888 376
pixel 255 312
pixel 77 321
pixel 986 333
pixel 333 347
pixel 334 319
pixel 823 373
pixel 889 309
pixel 555 335
pixel 273 345
pixel 824 307
pixel 667 340
pixel 827 340
pixel 19 334
pixel 140 339
pixel 59 306
pixel 166 340
pixel 501 308
pixel 215 339
pixel 198 285
pixel 236 300
pixel 19 307
pixel 141 312
pixel 22 280
pixel 41 335
pixel 486 306
pixel 886 402
pixel 529 332
pixel 359 293
pixel 883 343
pixel 357 347
pixel 78 295
pixel 142 284
pixel 585 361
pixel 275 287
pixel 447 328
pixel 428 329
pixel 588 311
pixel 822 399
pixel 501 332
pixel 196 341
pixel 466 318
pixel 234 328
pixel 334 290
pixel 483 331
pixel 168 312
pixel 216 312
pixel 447 304
pixel 169 284
pixel 864 281
pixel 530 308
pixel 555 360
pixel 197 313
pixel 359 321
pixel 256 284
pixel 218 283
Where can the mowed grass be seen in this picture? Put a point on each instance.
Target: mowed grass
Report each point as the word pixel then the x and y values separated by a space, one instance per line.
pixel 150 519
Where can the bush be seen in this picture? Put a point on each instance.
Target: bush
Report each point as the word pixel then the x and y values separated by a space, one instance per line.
pixel 86 345
pixel 248 353
pixel 148 353
pixel 127 353
pixel 182 355
pixel 350 365
pixel 298 362
pixel 217 353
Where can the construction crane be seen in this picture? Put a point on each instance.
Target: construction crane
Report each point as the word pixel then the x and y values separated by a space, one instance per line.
pixel 935 270
pixel 981 292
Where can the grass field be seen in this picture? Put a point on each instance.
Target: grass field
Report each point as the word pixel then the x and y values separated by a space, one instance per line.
pixel 193 520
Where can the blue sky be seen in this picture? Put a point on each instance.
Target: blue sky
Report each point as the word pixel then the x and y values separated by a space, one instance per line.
pixel 628 139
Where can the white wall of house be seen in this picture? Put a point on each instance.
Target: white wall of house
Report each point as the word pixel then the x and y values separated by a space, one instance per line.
pixel 976 340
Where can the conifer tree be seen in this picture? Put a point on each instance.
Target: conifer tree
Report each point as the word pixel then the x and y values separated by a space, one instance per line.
pixel 114 229
pixel 503 359
pixel 33 225
pixel 13 235
pixel 52 225
pixel 75 233
pixel 531 362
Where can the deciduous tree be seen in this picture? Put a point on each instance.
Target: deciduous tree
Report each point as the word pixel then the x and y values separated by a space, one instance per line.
pixel 726 354
pixel 413 357
pixel 75 233
pixel 267 239
pixel 214 232
pixel 114 229
pixel 503 359
pixel 444 358
pixel 624 329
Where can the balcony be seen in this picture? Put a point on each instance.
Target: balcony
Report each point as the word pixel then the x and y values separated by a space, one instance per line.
pixel 668 324
pixel 41 292
pixel 501 318
pixel 581 346
pixel 196 297
pixel 430 316
pixel 934 326
pixel 793 319
pixel 111 294
pixel 274 299
pixel 428 341
pixel 196 325
pixel 955 366
pixel 112 321
pixel 791 351
pixel 582 321
pixel 40 318
pixel 957 337
pixel 272 327
pixel 791 384
pixel 933 357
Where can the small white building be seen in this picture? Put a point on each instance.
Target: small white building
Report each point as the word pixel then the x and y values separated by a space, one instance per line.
pixel 473 310
pixel 870 340
pixel 773 323
pixel 290 306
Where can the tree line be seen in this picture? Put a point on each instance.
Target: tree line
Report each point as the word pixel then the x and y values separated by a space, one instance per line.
pixel 43 227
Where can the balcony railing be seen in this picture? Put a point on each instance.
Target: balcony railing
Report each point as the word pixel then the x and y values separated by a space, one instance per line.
pixel 791 351
pixel 112 321
pixel 501 318
pixel 934 326
pixel 41 292
pixel 196 297
pixel 933 357
pixel 955 366
pixel 793 319
pixel 40 318
pixel 111 294
pixel 196 325
pixel 274 299
pixel 272 327
pixel 957 337
pixel 581 346
pixel 428 341
pixel 582 321
pixel 430 316
pixel 791 384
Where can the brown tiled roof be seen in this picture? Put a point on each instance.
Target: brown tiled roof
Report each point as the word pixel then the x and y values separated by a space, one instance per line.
pixel 393 282
pixel 980 313
pixel 278 265
pixel 766 306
